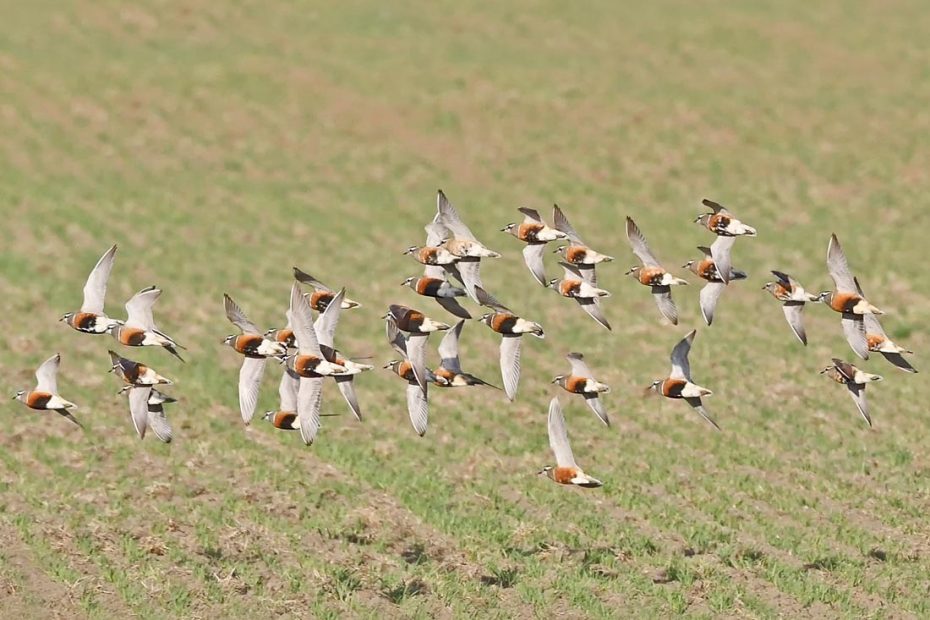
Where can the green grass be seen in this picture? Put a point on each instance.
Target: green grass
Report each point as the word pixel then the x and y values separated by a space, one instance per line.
pixel 220 144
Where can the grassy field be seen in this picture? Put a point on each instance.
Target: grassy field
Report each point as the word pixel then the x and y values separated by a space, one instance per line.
pixel 221 143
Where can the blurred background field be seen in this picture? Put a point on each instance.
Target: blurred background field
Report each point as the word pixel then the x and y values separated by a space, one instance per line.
pixel 219 144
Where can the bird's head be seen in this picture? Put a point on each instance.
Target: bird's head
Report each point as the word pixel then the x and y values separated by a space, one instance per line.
pixel 653 388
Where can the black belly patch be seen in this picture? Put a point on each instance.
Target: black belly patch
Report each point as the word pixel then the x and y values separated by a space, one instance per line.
pixel 507 324
pixel 87 322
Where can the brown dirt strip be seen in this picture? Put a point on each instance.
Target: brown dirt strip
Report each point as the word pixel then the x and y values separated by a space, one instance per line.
pixel 30 592
pixel 671 542
pixel 866 522
pixel 694 513
pixel 92 582
pixel 385 520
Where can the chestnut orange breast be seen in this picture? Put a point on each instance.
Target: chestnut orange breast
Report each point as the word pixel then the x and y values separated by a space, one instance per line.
pixel 38 400
pixel 672 387
pixel 650 276
pixel 564 475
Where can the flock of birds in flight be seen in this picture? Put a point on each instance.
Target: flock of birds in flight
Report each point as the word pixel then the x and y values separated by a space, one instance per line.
pixel 452 254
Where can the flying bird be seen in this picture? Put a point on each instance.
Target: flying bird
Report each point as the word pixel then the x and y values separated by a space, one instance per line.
pixel 854 379
pixel 433 253
pixel 310 365
pixel 419 326
pixel 566 470
pixel 535 234
pixel 139 329
pixel 133 373
pixel 577 251
pixel 91 318
pixel 285 416
pixel 45 394
pixel 511 328
pixel 679 383
pixel 722 223
pixel 450 373
pixel 322 294
pixel 463 243
pixel 575 286
pixel 325 328
pixel 255 349
pixel 793 297
pixel 581 381
pixel 706 269
pixel 846 299
pixel 438 262
pixel 652 274
pixel 417 394
pixel 879 342
pixel 433 284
